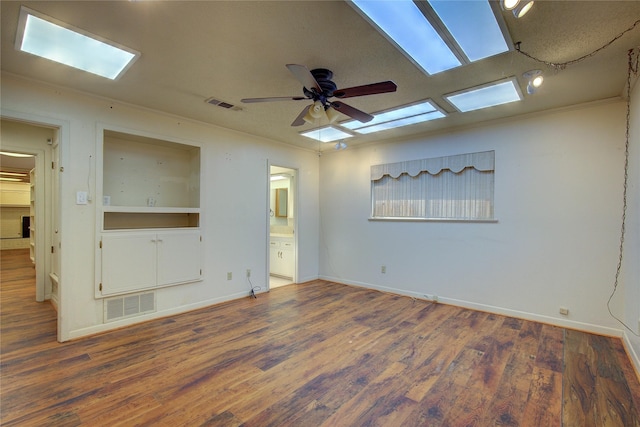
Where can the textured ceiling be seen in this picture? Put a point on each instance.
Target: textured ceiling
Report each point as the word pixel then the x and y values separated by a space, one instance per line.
pixel 238 49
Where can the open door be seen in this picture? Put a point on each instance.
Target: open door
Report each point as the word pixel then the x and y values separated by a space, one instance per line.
pixel 283 254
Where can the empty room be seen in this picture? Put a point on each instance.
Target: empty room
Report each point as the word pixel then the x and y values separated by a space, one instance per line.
pixel 320 213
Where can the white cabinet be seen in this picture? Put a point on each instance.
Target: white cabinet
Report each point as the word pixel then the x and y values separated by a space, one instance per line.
pixel 150 214
pixel 282 256
pixel 133 261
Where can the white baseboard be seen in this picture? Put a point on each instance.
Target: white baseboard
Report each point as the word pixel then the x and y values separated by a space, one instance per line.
pixel 104 327
pixel 633 355
pixel 565 323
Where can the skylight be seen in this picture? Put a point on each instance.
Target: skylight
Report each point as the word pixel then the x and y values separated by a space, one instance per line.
pixel 49 38
pixel 473 25
pixel 403 22
pixel 398 117
pixel 438 35
pixel 484 96
pixel 326 134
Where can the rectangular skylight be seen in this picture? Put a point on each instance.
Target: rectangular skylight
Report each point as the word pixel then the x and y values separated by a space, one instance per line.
pixel 485 96
pixel 49 38
pixel 398 117
pixel 438 35
pixel 408 28
pixel 326 134
pixel 473 25
pixel 402 122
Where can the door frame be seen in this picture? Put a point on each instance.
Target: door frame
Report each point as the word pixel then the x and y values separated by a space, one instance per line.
pixel 61 131
pixel 296 218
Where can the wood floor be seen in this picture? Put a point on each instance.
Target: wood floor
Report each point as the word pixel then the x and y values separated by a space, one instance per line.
pixel 318 354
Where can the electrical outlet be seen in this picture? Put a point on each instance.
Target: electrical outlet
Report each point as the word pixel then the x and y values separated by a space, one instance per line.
pixel 229 276
pixel 248 272
pixel 564 311
pixel 383 269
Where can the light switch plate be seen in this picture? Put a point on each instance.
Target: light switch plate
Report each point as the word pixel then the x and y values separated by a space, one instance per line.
pixel 81 198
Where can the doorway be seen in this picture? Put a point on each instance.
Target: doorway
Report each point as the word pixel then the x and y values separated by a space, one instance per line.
pixel 42 246
pixel 283 252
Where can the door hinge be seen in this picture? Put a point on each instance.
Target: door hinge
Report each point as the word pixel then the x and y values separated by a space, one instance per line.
pixel 100 287
pixel 52 249
pixel 201 272
pixel 100 244
pixel 53 165
pixel 201 238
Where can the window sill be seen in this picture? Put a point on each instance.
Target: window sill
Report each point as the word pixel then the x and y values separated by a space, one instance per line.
pixel 411 219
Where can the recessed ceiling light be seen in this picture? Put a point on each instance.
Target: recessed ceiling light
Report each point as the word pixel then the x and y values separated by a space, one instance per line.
pixel 326 134
pixel 485 96
pixel 57 41
pixel 11 154
pixel 13 173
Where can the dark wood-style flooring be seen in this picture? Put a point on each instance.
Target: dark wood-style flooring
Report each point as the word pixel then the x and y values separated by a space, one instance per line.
pixel 317 354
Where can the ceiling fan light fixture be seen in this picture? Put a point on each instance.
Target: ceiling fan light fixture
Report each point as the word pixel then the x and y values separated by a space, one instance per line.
pixel 522 8
pixel 332 114
pixel 316 110
pixel 308 117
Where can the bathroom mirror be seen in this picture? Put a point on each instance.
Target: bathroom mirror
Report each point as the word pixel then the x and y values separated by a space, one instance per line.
pixel 281 202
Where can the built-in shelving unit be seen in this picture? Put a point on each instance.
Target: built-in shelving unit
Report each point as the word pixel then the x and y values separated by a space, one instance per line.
pixel 150 214
pixel 32 215
pixel 152 178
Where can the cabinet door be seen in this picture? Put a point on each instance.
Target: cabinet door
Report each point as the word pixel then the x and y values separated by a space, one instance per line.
pixel 275 265
pixel 286 259
pixel 179 257
pixel 128 262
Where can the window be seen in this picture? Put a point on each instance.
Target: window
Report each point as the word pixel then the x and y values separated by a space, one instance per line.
pixel 456 187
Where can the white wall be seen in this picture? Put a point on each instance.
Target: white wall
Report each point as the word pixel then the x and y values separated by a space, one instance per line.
pixel 631 260
pixel 558 186
pixel 234 199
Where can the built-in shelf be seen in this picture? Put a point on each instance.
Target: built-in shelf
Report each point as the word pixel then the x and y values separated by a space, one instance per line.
pixel 140 220
pixel 149 183
pixel 150 213
pixel 32 215
pixel 146 210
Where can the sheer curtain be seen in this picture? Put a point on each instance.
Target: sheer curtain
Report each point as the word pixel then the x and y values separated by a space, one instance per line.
pixel 452 187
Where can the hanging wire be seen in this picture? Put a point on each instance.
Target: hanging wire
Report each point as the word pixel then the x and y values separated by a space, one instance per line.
pixel 562 65
pixel 633 69
pixel 633 62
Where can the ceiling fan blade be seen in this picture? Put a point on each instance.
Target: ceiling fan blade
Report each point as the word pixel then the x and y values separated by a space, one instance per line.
pixel 352 112
pixel 370 89
pixel 276 98
pixel 299 121
pixel 304 76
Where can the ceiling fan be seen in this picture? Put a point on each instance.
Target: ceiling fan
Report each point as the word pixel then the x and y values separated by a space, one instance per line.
pixel 318 87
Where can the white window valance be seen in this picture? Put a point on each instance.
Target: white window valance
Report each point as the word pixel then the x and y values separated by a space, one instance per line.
pixel 483 161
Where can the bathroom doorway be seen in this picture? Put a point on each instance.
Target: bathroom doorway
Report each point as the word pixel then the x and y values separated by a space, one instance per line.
pixel 283 252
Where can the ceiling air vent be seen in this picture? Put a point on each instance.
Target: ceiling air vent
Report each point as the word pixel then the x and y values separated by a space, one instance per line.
pixel 217 102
